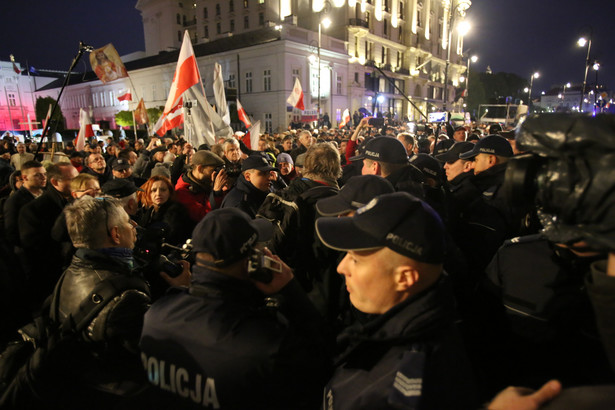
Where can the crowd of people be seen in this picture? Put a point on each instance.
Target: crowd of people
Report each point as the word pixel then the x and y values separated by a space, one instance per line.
pixel 327 268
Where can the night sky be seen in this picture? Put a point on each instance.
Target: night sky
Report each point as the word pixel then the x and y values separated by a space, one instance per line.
pixel 519 36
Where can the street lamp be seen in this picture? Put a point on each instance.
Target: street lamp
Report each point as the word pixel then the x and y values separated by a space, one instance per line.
pixel 529 91
pixel 582 42
pixel 472 59
pixel 458 6
pixel 326 23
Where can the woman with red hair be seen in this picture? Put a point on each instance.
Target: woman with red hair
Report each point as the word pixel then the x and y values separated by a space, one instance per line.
pixel 161 211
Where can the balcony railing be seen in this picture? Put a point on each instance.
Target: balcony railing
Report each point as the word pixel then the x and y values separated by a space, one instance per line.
pixel 358 23
pixel 190 23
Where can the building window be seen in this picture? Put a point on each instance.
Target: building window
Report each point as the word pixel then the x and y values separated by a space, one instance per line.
pixel 231 81
pixel 218 28
pixel 338 83
pixel 400 35
pixel 261 1
pixel 261 19
pixel 178 18
pixel 245 4
pixel 386 27
pixel 205 12
pixel 249 82
pixel 267 80
pixel 217 9
pixel 232 26
pixel 179 36
pixel 386 6
pixel 231 5
pixel 246 22
pixel 296 75
pixel 401 10
pixel 367 18
pixel 12 101
pixel 268 122
pixel 206 32
pixel 356 78
pixel 153 91
pixel 419 18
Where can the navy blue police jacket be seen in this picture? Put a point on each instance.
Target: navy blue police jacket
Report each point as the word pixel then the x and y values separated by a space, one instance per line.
pixel 218 346
pixel 410 357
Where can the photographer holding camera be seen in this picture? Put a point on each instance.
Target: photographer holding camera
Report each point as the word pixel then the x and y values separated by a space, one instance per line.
pixel 244 335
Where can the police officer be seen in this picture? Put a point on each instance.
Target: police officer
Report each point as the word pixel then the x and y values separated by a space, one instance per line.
pixel 236 339
pixel 405 351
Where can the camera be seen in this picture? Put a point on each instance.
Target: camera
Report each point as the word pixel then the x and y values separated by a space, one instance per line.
pixel 169 264
pixel 568 172
pixel 153 254
pixel 261 266
pixel 376 122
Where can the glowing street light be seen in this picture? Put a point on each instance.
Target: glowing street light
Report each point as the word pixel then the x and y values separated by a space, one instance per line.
pixel 457 7
pixel 529 90
pixel 582 42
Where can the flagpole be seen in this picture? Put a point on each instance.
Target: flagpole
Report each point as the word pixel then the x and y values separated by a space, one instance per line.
pixel 31 92
pixel 134 122
pixel 23 116
pixel 8 105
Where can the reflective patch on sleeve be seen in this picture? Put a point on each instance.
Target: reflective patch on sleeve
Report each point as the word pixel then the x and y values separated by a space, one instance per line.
pixel 408 381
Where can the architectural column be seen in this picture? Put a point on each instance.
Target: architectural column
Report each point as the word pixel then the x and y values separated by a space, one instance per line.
pixel 414 14
pixel 428 19
pixel 446 8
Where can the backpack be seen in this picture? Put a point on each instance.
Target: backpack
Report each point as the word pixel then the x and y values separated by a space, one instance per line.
pixel 293 220
pixel 29 365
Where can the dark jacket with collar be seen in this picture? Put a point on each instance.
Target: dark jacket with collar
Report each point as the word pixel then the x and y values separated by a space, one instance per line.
pixel 12 206
pixel 43 256
pixel 220 336
pixel 244 196
pixel 410 357
pixel 102 178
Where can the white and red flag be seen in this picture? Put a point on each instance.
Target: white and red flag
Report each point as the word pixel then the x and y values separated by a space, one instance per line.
pixel 243 116
pixel 186 74
pixel 124 95
pixel 220 95
pixel 296 96
pixel 172 120
pixel 85 129
pixel 345 118
pixel 253 135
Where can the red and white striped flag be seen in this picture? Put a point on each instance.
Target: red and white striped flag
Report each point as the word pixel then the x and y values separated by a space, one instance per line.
pixel 243 116
pixel 171 120
pixel 296 96
pixel 186 74
pixel 124 95
pixel 85 129
pixel 345 118
pixel 253 135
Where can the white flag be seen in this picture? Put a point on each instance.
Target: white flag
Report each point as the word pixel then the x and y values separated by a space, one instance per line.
pixel 219 94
